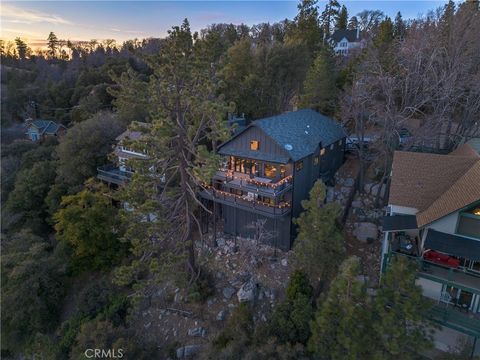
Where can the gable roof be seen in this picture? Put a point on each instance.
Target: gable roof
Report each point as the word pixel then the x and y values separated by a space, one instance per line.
pixel 133 134
pixel 47 126
pixel 350 35
pixel 436 185
pixel 301 132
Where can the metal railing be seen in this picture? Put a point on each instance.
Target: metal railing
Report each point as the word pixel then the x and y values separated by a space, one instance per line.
pixel 113 174
pixel 257 184
pixel 454 318
pixel 248 204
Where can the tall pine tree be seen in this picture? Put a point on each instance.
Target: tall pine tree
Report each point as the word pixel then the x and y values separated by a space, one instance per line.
pixel 319 247
pixel 320 85
pixel 342 19
pixel 341 326
pixel 187 115
pixel 400 314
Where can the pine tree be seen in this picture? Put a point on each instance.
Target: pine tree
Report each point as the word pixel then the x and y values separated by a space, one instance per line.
pixel 290 320
pixel 400 314
pixel 331 11
pixel 341 326
pixel 52 44
pixel 399 27
pixel 87 222
pixel 22 48
pixel 319 246
pixel 305 28
pixel 320 87
pixel 342 19
pixel 162 198
pixel 353 23
pixel 384 34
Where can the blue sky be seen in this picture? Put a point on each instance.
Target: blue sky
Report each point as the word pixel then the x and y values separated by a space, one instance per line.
pixel 121 20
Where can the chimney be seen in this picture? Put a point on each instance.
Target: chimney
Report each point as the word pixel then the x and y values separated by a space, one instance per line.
pixel 358 33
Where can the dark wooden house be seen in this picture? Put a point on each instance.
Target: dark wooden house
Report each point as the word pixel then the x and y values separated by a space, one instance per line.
pixel 269 168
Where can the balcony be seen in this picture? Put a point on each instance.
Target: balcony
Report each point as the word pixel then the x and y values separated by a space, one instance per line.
pixel 455 276
pixel 246 203
pixel 455 318
pixel 259 185
pixel 113 175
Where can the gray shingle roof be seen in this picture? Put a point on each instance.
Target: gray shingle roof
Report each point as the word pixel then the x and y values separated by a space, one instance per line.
pixel 47 126
pixel 300 132
pixel 350 35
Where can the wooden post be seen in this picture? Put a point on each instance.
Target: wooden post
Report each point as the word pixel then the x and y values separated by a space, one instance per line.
pixel 214 224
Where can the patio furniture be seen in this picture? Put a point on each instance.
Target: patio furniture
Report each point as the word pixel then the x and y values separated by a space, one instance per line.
pixel 441 259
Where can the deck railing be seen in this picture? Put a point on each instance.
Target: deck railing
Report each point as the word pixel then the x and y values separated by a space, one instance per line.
pixel 256 184
pixel 113 174
pixel 466 322
pixel 247 203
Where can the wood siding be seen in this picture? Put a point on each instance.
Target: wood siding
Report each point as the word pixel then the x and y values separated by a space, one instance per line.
pixel 266 144
pixel 237 222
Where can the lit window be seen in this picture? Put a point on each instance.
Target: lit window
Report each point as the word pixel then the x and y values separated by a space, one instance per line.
pixel 254 145
pixel 270 171
pixel 315 160
pixel 299 165
pixel 322 152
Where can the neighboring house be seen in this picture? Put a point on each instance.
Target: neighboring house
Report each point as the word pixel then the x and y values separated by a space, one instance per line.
pixel 345 42
pixel 475 144
pixel 38 130
pixel 121 172
pixel 433 218
pixel 269 168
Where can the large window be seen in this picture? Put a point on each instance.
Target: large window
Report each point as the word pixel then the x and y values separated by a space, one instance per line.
pixel 469 222
pixel 245 166
pixel 270 171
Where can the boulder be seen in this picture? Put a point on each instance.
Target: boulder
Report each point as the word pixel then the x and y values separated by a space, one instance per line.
pixel 221 242
pixel 375 188
pixel 364 231
pixel 330 194
pixel 178 298
pixel 248 291
pixel 221 315
pixel 348 182
pixel 197 332
pixel 368 187
pixel 188 351
pixel 357 204
pixel 228 292
pixel 284 262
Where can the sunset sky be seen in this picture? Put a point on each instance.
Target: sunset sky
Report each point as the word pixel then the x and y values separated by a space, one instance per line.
pixel 122 20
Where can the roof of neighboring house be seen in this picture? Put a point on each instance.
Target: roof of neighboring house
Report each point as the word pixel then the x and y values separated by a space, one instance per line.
pixel 475 144
pixel 131 134
pixel 399 222
pixel 47 126
pixel 436 185
pixel 350 35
